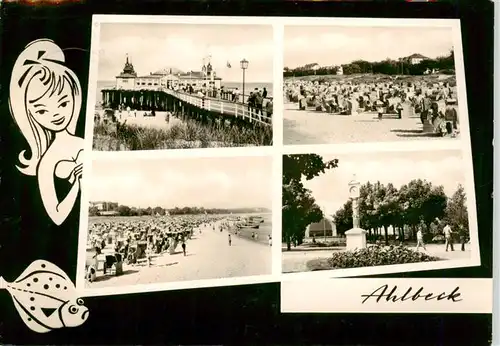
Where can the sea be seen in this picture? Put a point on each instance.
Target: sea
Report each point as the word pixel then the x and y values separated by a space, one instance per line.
pixel 249 86
pixel 264 230
pixel 227 85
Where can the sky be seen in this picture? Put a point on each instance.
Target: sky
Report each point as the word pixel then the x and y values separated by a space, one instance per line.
pixel 443 167
pixel 234 182
pixel 336 45
pixel 152 47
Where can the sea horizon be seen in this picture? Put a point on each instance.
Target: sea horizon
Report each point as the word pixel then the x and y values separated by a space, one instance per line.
pixel 226 84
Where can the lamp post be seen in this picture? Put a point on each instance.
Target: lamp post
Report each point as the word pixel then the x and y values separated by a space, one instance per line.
pixel 244 66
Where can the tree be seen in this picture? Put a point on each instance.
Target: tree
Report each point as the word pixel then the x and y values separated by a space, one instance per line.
pixel 299 207
pixel 388 208
pixel 434 205
pixel 343 218
pixel 456 210
pixel 93 211
pixel 159 211
pixel 366 208
pixel 381 206
pixel 123 210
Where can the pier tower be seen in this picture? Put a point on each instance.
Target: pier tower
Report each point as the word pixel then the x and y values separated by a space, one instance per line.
pixel 126 79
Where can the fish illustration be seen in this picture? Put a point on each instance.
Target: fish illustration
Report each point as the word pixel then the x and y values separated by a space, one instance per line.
pixel 46 298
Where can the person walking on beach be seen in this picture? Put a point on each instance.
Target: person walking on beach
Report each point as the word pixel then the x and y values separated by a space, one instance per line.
pixel 270 240
pixel 380 109
pixel 149 253
pixel 462 232
pixel 447 236
pixel 420 239
pixel 229 239
pixel 184 247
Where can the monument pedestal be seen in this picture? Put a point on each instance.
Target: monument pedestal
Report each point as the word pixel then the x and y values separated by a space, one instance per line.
pixel 355 239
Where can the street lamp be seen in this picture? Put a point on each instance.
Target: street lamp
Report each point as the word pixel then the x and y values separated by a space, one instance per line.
pixel 244 66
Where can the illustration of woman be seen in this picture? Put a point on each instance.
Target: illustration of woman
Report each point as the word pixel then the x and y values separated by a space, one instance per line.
pixel 45 101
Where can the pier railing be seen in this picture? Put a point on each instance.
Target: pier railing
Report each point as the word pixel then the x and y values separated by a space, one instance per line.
pixel 224 107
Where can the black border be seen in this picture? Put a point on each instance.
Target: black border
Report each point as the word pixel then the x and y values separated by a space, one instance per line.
pixel 242 314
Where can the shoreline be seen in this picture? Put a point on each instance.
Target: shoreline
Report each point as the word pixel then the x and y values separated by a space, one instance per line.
pixel 247 236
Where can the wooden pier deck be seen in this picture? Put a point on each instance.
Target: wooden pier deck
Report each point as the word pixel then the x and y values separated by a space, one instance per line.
pixel 190 104
pixel 223 107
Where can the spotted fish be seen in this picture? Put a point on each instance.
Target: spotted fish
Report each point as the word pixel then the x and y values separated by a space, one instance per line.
pixel 46 298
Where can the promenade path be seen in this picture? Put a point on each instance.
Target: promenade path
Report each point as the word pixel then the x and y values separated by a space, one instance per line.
pixel 296 261
pixel 208 257
pixel 312 127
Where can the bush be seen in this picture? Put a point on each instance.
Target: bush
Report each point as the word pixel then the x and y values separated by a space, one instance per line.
pixel 371 256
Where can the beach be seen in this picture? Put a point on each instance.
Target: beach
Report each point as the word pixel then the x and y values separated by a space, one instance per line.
pixel 312 127
pixel 208 256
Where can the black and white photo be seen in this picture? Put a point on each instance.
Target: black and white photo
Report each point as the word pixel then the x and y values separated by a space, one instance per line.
pixel 371 83
pixel 161 85
pixel 410 210
pixel 170 220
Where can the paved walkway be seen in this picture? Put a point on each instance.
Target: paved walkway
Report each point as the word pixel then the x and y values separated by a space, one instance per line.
pixel 208 257
pixel 296 261
pixel 311 127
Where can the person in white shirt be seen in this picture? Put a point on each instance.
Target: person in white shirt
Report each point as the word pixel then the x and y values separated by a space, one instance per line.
pixel 447 236
pixel 420 239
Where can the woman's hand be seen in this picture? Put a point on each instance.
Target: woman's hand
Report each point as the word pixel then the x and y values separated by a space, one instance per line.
pixel 77 172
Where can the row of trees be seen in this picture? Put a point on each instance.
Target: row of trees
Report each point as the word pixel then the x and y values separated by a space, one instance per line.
pixel 381 206
pixel 123 210
pixel 413 204
pixel 445 65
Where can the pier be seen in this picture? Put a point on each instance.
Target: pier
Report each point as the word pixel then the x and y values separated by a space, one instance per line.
pixel 204 109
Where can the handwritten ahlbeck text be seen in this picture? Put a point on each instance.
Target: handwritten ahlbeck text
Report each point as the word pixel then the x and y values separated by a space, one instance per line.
pixel 384 293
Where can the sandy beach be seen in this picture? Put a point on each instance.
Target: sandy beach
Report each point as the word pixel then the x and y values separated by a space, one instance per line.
pixel 311 127
pixel 209 256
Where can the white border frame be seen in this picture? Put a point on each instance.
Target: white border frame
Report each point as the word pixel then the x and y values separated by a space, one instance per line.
pixel 170 154
pixel 461 144
pixel 277 150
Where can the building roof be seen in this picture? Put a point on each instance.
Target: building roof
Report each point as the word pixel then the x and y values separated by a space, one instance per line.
pixel 325 224
pixel 417 56
pixel 169 70
pixel 192 75
pixel 109 213
pixel 128 70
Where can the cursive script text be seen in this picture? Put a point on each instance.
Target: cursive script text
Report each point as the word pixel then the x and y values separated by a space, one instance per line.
pixel 392 295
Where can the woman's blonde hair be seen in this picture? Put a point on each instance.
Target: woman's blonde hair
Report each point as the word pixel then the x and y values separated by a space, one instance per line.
pixel 44 60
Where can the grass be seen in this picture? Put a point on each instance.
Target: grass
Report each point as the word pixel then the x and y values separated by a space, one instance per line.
pixel 189 134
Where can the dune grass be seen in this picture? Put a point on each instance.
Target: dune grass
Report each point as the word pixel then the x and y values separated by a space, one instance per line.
pixel 189 134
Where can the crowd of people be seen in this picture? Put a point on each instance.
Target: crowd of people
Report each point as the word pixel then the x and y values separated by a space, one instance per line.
pixel 141 240
pixel 257 100
pixel 435 103
pixel 137 239
pixel 449 235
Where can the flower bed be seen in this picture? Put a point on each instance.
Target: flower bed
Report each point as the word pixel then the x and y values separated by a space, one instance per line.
pixel 369 257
